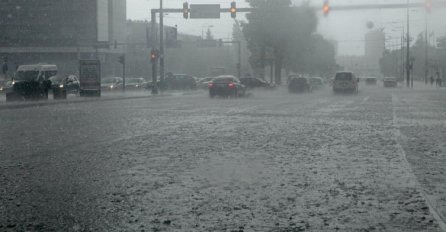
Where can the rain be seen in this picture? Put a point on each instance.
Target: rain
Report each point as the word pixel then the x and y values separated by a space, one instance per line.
pixel 244 115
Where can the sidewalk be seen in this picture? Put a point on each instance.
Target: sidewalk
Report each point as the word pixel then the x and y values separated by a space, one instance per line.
pixel 74 99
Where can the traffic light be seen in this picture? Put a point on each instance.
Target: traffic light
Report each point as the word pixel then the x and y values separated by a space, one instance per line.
pixel 233 9
pixel 153 55
pixel 428 5
pixel 121 59
pixel 326 8
pixel 186 10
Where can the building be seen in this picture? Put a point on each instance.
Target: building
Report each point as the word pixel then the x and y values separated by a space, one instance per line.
pixel 375 45
pixel 62 32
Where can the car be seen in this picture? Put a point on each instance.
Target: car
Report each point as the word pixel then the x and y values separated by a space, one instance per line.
pixel 180 82
pixel 371 80
pixel 390 82
pixel 30 82
pixel 226 86
pixel 203 82
pixel 63 85
pixel 345 82
pixel 299 84
pixel 316 82
pixel 135 83
pixel 111 84
pixel 252 82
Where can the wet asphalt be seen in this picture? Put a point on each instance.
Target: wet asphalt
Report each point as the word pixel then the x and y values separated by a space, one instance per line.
pixel 271 161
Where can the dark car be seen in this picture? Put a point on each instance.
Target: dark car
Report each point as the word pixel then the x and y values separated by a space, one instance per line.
pixel 63 85
pixel 226 86
pixel 180 82
pixel 252 82
pixel 112 84
pixel 135 83
pixel 28 83
pixel 371 80
pixel 299 84
pixel 316 82
pixel 345 82
pixel 390 82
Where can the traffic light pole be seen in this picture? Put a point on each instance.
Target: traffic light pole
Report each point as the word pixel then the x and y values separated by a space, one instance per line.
pixel 154 63
pixel 161 55
pixel 123 75
pixel 408 62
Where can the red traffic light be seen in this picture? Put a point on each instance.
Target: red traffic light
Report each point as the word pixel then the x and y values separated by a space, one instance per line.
pixel 428 5
pixel 186 10
pixel 233 10
pixel 153 55
pixel 326 8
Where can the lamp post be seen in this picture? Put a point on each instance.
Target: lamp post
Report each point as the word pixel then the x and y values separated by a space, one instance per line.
pixel 408 48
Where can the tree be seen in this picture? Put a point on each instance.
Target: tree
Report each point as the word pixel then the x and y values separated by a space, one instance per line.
pixel 442 42
pixel 289 32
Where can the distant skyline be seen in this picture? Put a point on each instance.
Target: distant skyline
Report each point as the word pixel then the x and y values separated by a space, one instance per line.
pixel 346 27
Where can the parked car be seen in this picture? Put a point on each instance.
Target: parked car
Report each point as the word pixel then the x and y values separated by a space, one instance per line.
pixel 226 86
pixel 180 82
pixel 135 83
pixel 63 85
pixel 316 82
pixel 203 82
pixel 111 84
pixel 371 81
pixel 252 82
pixel 30 82
pixel 390 82
pixel 299 84
pixel 345 82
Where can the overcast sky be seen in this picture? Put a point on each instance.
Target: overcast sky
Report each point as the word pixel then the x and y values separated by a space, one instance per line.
pixel 348 27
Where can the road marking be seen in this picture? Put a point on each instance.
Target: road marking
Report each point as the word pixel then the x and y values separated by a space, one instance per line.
pixel 441 220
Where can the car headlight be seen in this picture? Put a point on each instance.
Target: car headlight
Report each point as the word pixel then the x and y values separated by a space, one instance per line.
pixel 111 86
pixel 60 86
pixel 13 83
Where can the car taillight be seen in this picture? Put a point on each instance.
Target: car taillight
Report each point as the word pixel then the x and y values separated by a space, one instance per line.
pixel 210 85
pixel 231 85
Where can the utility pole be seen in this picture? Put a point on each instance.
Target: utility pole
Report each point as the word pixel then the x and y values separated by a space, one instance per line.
pixel 239 65
pixel 161 55
pixel 426 52
pixel 154 64
pixel 408 63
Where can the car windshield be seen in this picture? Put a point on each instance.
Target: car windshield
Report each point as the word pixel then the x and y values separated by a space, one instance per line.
pixel 343 77
pixel 26 75
pixel 133 81
pixel 57 78
pixel 223 80
pixel 223 115
pixel 109 80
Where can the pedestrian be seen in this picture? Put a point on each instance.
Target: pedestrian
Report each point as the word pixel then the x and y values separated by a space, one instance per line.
pixel 438 83
pixel 5 68
pixel 432 80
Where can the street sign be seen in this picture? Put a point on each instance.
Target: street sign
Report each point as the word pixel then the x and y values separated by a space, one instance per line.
pixel 205 11
pixel 90 77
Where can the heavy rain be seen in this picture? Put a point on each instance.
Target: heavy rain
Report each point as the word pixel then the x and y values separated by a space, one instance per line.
pixel 245 115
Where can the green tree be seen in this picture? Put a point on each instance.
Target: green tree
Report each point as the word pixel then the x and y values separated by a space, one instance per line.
pixel 289 33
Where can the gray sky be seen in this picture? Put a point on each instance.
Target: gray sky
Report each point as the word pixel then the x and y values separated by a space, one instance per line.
pixel 348 27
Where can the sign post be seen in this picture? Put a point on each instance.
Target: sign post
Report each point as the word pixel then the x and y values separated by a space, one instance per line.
pixel 205 11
